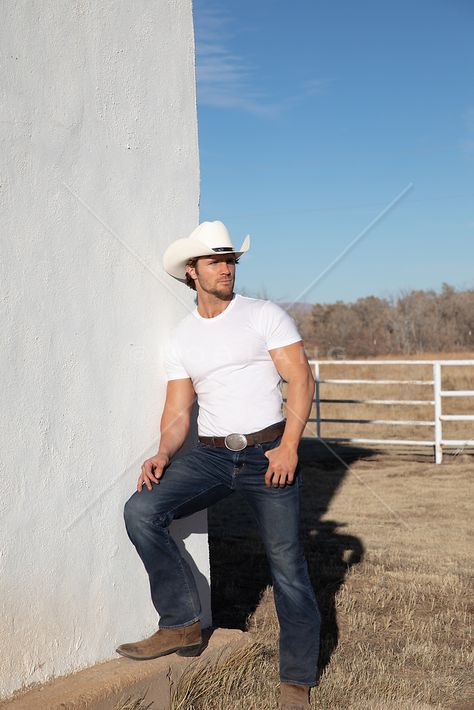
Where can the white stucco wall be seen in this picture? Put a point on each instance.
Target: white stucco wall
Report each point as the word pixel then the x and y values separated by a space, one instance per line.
pixel 99 173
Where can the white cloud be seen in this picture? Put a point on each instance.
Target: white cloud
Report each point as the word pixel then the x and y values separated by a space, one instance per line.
pixel 226 79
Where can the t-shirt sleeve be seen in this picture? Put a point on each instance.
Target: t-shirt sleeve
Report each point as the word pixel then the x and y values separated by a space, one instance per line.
pixel 278 327
pixel 174 367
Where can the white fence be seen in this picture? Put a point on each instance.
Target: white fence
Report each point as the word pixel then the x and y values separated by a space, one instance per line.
pixel 438 393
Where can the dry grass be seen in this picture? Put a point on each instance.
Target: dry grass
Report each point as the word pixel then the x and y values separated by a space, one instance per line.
pixel 230 678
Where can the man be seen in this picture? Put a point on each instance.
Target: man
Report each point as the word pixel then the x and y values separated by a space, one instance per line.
pixel 231 352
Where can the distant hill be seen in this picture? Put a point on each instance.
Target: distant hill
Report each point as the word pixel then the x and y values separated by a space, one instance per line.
pixel 299 308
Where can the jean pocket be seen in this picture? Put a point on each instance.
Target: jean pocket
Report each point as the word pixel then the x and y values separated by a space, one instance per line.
pixel 267 445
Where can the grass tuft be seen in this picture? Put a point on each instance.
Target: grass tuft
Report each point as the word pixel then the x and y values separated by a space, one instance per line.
pixel 222 682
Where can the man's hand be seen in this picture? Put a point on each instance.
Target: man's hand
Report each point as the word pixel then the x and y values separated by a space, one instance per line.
pixel 152 470
pixel 283 461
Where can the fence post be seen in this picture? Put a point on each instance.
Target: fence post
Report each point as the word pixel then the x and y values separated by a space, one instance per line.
pixel 437 412
pixel 317 395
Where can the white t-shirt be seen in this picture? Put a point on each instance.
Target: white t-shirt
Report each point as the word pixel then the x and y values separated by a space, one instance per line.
pixel 237 384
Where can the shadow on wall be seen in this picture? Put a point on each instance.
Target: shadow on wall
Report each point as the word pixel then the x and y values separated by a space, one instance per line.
pixel 239 569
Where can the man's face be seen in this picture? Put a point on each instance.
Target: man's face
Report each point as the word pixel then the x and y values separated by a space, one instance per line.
pixel 215 274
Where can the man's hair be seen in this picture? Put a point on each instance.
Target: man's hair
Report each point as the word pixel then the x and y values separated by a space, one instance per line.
pixel 193 263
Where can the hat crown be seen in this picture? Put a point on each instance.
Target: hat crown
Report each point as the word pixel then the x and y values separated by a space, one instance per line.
pixel 212 234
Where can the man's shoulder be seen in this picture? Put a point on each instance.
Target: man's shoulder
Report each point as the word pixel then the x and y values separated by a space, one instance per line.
pixel 257 303
pixel 261 305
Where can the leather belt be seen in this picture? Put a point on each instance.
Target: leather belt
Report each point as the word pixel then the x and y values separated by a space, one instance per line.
pixel 237 442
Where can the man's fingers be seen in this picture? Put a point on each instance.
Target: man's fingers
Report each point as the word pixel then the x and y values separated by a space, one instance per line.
pixel 268 477
pixel 279 479
pixel 147 476
pixel 143 481
pixel 149 469
pixel 159 471
pixel 271 474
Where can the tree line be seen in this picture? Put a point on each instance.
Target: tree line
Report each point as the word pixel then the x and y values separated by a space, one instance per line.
pixel 413 322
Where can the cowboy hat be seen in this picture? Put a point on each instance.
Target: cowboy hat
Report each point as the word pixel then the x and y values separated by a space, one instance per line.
pixel 207 239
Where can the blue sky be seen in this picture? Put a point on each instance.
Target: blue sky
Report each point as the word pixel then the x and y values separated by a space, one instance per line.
pixel 326 124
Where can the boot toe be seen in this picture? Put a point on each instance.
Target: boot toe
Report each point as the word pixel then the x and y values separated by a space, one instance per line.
pixel 125 649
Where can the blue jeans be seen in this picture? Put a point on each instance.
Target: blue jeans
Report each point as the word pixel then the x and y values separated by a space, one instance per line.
pixel 194 481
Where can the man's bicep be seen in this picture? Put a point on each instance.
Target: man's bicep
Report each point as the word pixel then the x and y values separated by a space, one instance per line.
pixel 180 395
pixel 291 361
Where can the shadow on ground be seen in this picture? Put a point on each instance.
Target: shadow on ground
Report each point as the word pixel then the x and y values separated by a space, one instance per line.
pixel 239 569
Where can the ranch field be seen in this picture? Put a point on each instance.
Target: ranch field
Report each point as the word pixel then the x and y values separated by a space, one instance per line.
pixel 453 377
pixel 388 539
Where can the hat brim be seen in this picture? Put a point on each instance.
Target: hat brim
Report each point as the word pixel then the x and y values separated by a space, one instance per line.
pixel 181 251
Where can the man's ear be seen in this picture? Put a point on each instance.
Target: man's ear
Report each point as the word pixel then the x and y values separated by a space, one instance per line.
pixel 190 268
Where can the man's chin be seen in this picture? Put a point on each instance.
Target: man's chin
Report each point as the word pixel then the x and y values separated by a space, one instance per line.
pixel 223 291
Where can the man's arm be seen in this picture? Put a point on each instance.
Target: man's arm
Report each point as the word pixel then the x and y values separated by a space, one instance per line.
pixel 174 426
pixel 293 366
pixel 176 417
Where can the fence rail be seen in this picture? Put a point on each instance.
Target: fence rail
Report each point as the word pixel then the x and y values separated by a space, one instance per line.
pixel 438 442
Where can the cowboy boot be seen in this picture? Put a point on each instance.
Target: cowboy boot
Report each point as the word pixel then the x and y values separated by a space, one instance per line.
pixel 185 640
pixel 294 697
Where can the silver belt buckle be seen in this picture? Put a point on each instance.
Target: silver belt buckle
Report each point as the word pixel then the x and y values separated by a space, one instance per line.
pixel 235 442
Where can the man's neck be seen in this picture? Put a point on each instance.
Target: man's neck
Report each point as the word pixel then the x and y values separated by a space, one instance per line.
pixel 210 306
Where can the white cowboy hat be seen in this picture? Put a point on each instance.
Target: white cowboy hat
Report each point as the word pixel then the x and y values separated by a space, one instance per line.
pixel 207 239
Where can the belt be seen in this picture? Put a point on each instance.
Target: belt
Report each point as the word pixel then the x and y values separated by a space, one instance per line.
pixel 237 442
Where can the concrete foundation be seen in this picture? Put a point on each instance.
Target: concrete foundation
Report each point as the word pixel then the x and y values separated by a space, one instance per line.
pixel 108 686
